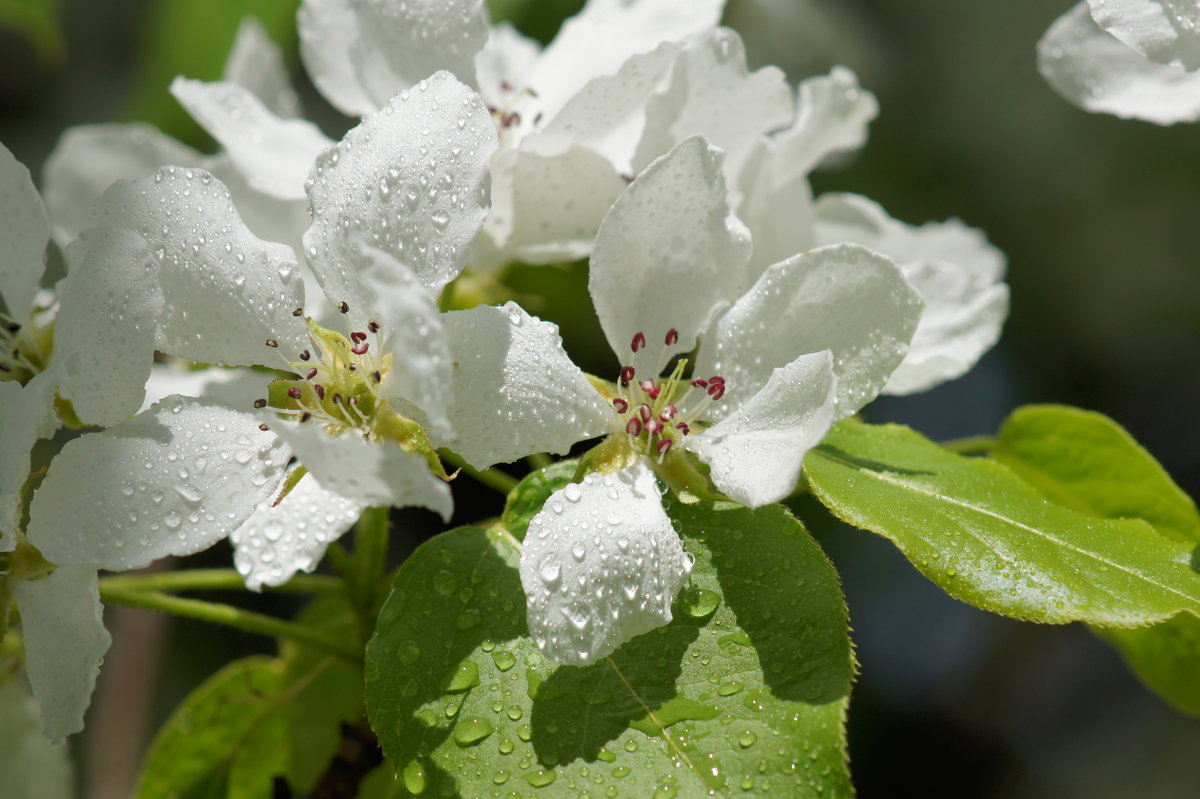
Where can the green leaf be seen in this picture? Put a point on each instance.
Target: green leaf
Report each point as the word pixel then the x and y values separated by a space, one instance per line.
pixel 531 494
pixel 1087 461
pixel 745 691
pixel 988 538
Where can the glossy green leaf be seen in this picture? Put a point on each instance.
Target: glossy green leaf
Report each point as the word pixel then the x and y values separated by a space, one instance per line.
pixel 986 537
pixel 531 494
pixel 1087 461
pixel 745 692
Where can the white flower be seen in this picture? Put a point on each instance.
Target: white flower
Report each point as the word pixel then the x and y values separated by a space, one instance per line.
pixel 1136 59
pixel 782 355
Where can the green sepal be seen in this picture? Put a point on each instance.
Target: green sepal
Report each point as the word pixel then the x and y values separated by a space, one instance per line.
pixel 411 437
pixel 531 493
pixel 291 481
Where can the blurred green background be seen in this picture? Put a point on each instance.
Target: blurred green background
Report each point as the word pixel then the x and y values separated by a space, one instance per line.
pixel 1098 218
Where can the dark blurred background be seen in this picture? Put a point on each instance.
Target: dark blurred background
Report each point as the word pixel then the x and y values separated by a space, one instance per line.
pixel 1098 218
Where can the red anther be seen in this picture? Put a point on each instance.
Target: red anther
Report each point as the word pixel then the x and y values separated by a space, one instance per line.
pixel 627 373
pixel 664 446
pixel 654 427
pixel 361 349
pixel 304 417
pixel 311 374
pixel 294 393
pixel 344 307
pixel 672 336
pixel 337 398
pixel 506 86
pixel 260 403
pixel 651 389
pixel 716 390
pixel 304 356
pixel 376 376
pixel 298 312
pixel 358 337
pixel 320 390
pixel 699 382
pixel 644 412
pixel 373 326
pixel 639 341
pixel 634 427
pixel 668 412
pixel 683 428
pixel 620 404
pixel 510 119
pixel 717 379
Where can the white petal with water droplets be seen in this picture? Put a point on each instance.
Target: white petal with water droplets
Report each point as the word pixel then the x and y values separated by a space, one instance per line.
pixel 712 92
pixel 844 298
pixel 273 153
pixel 267 217
pixel 503 65
pixel 90 158
pixel 329 46
pixel 104 333
pixel 257 63
pixel 955 270
pixel 516 392
pixel 28 412
pixel 25 231
pixel 778 213
pixel 65 642
pixel 171 481
pixel 600 564
pixel 225 290
pixel 233 388
pixel 373 473
pixel 33 768
pixel 667 254
pixel 1165 31
pixel 832 114
pixel 410 180
pixel 756 452
pixel 1098 73
pixel 279 540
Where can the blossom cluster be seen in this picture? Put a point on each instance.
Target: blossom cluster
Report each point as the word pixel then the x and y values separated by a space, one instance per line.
pixel 260 344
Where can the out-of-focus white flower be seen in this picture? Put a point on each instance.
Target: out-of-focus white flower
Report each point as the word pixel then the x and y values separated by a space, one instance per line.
pixel 1136 59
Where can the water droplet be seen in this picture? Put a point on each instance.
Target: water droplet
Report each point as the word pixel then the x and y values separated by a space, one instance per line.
pixel 504 659
pixel 408 652
pixel 413 777
pixel 540 778
pixel 464 677
pixel 472 730
pixel 747 739
pixel 467 619
pixel 572 492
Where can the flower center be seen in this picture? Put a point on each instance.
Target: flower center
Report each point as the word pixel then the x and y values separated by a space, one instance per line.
pixel 658 411
pixel 24 349
pixel 506 116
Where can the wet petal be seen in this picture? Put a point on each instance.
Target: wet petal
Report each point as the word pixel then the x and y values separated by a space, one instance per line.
pixel 516 391
pixel 65 642
pixel 1096 72
pixel 28 414
pixel 90 158
pixel 410 180
pixel 843 298
pixel 257 63
pixel 279 540
pixel 226 291
pixel 778 213
pixel 1165 31
pixel 25 231
pixel 33 768
pixel 756 452
pixel 104 333
pixel 832 114
pixel 504 63
pixel 955 270
pixel 233 388
pixel 600 565
pixel 273 153
pixel 171 481
pixel 668 253
pixel 368 472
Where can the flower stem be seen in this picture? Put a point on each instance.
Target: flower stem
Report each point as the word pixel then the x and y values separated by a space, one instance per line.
pixel 229 616
pixel 539 460
pixel 493 478
pixel 216 580
pixel 971 445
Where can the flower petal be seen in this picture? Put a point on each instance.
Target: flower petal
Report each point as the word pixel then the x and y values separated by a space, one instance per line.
pixel 273 153
pixel 279 540
pixel 1165 31
pixel 955 270
pixel 25 231
pixel 410 180
pixel 504 63
pixel 171 481
pixel 373 473
pixel 90 158
pixel 843 298
pixel 832 114
pixel 33 768
pixel 712 92
pixel 257 63
pixel 28 414
pixel 778 213
pixel 1096 72
pixel 361 53
pixel 668 253
pixel 516 391
pixel 104 332
pixel 600 565
pixel 233 388
pixel 547 209
pixel 65 642
pixel 756 452
pixel 226 290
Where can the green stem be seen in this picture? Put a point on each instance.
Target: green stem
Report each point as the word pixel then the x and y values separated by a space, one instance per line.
pixel 971 445
pixel 371 546
pixel 228 616
pixel 493 478
pixel 539 460
pixel 215 580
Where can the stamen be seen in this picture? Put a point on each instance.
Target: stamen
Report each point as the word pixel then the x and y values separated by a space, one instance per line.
pixel 683 428
pixel 305 355
pixel 627 375
pixel 263 428
pixel 644 412
pixel 311 373
pixel 298 312
pixel 650 388
pixel 260 403
pixel 654 427
pixel 337 398
pixel 272 342
pixel 358 337
pixel 295 393
pixel 668 412
pixel 634 427
pixel 319 390
pixel 639 341
pixel 344 307
pixel 373 326
pixel 620 404
pixel 361 349
pixel 376 376
pixel 672 337
pixel 699 383
pixel 304 417
pixel 663 446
